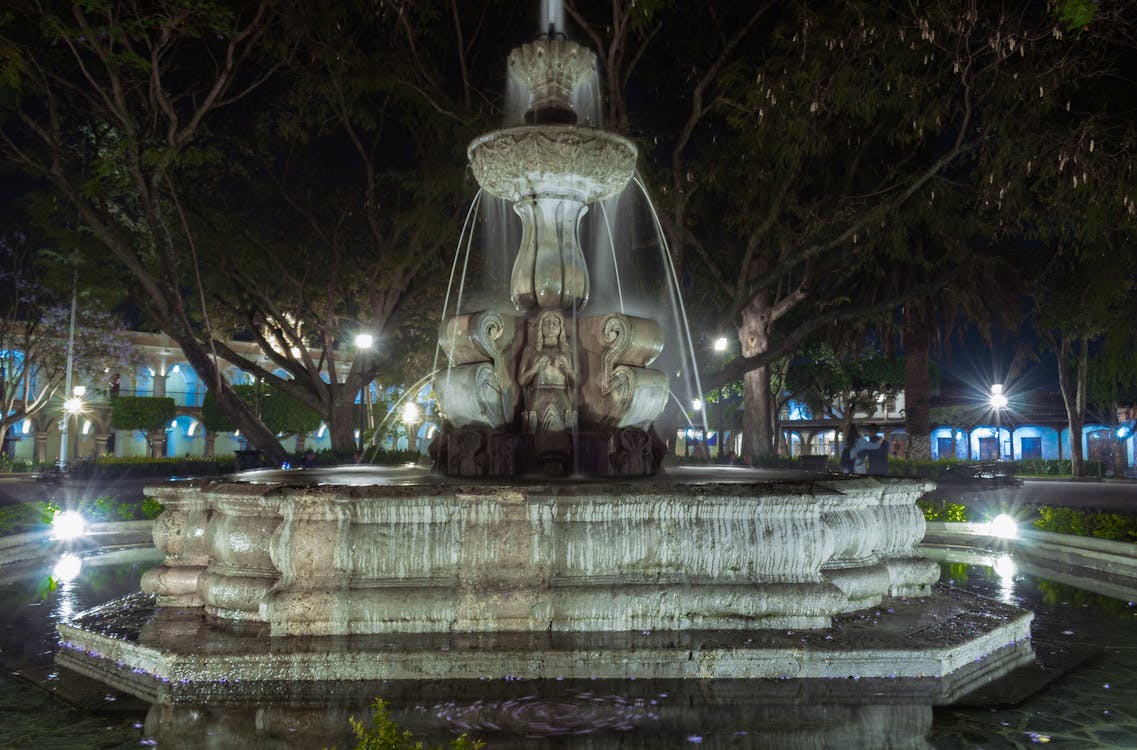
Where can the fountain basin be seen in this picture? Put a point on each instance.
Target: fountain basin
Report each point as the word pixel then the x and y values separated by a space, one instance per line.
pixel 326 559
pixel 562 161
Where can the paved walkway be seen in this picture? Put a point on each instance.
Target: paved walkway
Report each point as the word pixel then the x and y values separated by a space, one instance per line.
pixel 1109 495
pixel 17 488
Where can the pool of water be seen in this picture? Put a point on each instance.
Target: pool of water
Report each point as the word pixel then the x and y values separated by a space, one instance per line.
pixel 1081 693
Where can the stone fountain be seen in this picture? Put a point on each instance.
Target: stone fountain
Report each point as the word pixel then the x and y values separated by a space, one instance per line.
pixel 287 578
pixel 549 389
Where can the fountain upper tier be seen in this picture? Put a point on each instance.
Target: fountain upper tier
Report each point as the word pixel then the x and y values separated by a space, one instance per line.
pixel 555 161
pixel 551 69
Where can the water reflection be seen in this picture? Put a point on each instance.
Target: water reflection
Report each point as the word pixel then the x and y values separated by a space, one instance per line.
pixel 1082 692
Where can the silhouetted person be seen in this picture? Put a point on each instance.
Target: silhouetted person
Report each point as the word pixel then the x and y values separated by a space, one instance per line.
pixel 847 459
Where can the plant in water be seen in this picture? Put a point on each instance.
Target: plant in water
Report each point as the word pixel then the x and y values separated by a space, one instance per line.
pixel 384 734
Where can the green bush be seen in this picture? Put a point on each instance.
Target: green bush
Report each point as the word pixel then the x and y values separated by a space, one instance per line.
pixel 110 467
pixel 1118 527
pixel 1044 467
pixel 17 518
pixel 377 456
pixel 142 412
pixel 944 510
pixel 24 517
pixel 151 508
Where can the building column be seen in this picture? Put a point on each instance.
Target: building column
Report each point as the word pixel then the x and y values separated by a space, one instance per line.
pixel 156 440
pixel 40 452
pixel 159 385
pixel 101 439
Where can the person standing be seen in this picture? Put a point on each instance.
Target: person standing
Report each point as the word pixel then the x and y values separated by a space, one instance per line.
pixel 878 459
pixel 865 447
pixel 847 452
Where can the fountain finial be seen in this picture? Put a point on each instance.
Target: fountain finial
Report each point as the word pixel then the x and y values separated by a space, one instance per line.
pixel 550 69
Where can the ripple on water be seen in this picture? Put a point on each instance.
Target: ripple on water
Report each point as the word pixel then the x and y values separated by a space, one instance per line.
pixel 535 716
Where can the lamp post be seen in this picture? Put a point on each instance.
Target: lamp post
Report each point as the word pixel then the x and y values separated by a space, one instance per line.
pixel 697 405
pixel 72 406
pixel 998 403
pixel 70 367
pixel 720 347
pixel 411 417
pixel 364 342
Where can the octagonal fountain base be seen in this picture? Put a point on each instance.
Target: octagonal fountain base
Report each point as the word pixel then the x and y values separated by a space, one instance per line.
pixel 948 643
pixel 358 574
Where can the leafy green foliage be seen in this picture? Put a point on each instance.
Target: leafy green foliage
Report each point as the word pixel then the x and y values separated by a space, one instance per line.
pixel 20 517
pixel 279 411
pixel 826 381
pixel 110 467
pixel 36 516
pixel 1121 527
pixel 1076 14
pixel 383 734
pixel 142 412
pixel 151 508
pixel 944 510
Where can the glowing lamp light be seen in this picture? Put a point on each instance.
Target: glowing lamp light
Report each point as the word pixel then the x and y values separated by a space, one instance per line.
pixel 998 398
pixel 68 525
pixel 1004 566
pixel 697 404
pixel 364 341
pixel 73 405
pixel 1125 431
pixel 411 413
pixel 720 344
pixel 1004 527
pixel 67 568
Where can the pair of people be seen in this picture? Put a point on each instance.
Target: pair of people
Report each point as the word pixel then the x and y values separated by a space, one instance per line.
pixel 866 454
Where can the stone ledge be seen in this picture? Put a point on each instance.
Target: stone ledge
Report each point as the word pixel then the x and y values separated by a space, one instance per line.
pixel 1099 565
pixel 164 653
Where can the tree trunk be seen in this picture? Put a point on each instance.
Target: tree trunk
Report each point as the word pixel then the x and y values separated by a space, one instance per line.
pixel 917 388
pixel 1074 396
pixel 342 421
pixel 238 412
pixel 757 404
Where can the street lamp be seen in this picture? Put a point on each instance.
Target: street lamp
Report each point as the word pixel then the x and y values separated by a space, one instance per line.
pixel 998 403
pixel 72 406
pixel 703 434
pixel 411 417
pixel 364 342
pixel 720 348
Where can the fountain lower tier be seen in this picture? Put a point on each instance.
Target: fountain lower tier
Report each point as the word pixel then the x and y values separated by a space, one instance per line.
pixel 575 557
pixel 288 579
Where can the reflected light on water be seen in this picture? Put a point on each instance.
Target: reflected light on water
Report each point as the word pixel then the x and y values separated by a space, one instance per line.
pixel 1004 567
pixel 67 568
pixel 65 571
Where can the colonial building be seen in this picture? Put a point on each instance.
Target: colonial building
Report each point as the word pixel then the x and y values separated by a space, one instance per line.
pixel 1022 426
pixel 164 372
